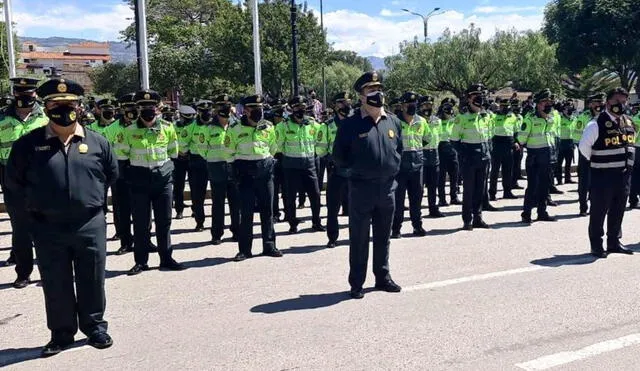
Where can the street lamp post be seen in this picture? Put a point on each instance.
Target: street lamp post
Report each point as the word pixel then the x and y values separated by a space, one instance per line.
pixel 294 47
pixel 425 19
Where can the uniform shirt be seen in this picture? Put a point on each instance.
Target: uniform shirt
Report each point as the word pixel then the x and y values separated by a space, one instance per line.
pixel 471 132
pixel 537 132
pixel 51 179
pixel 581 121
pixel 100 129
pixel 252 147
pixel 150 147
pixel 636 124
pixel 12 128
pixel 590 136
pixel 197 139
pixel 300 142
pixel 415 135
pixel 370 150
pixel 567 125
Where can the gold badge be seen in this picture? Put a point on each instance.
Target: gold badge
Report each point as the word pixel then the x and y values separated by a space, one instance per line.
pixel 130 115
pixel 374 77
pixel 19 103
pixel 225 98
pixel 201 137
pixel 72 115
pixel 160 137
pixel 312 132
pixel 227 141
pixel 608 124
pixel 23 82
pixel 62 88
pixel 259 99
pixel 391 133
pixel 83 148
pixel 615 109
pixel 147 96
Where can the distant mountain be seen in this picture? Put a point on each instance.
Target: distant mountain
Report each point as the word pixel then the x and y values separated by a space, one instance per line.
pixel 120 51
pixel 377 63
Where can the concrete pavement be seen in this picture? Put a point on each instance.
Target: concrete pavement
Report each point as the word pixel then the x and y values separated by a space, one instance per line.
pixel 509 298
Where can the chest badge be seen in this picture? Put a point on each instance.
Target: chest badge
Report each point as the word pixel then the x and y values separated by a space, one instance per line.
pixel 83 148
pixel 391 133
pixel 608 124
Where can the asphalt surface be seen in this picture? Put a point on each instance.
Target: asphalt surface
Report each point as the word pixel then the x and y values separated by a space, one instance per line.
pixel 509 298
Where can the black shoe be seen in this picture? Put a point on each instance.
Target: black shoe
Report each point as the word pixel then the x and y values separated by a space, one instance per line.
pixel 419 232
pixel 274 253
pixel 356 293
pixel 526 218
pixel 331 245
pixel 633 205
pixel 100 340
pixel 555 191
pixel 172 265
pixel 489 207
pixel 436 214
pixel 443 203
pixel 552 203
pixel 467 227
pixel 455 201
pixel 480 224
pixel 509 196
pixel 216 241
pixel 492 198
pixel 124 249
pixel 115 237
pixel 21 283
pixel 10 261
pixel 179 215
pixel 293 229
pixel 54 347
pixel 619 249
pixel 600 254
pixel 300 206
pixel 582 213
pixel 318 228
pixel 396 235
pixel 388 286
pixel 241 257
pixel 152 247
pixel 276 219
pixel 546 218
pixel 137 269
pixel 199 227
pixel 234 238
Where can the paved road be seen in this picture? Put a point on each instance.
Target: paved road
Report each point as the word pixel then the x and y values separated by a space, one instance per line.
pixel 510 298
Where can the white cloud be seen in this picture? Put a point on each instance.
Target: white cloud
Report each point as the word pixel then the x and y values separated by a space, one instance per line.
pixel 378 36
pixel 104 25
pixel 506 9
pixel 390 13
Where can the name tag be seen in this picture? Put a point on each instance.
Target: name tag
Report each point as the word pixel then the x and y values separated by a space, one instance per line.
pixel 363 135
pixel 42 148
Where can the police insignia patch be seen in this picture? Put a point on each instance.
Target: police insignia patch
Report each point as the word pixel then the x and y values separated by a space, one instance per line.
pixel 265 134
pixel 201 138
pixel 608 124
pixel 62 88
pixel 83 148
pixel 523 126
pixel 160 137
pixel 147 96
pixel 312 131
pixel 579 125
pixel 120 138
pixel 391 133
pixel 184 134
pixel 227 141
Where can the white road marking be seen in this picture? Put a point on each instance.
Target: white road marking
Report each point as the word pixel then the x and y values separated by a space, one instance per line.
pixel 562 358
pixel 487 276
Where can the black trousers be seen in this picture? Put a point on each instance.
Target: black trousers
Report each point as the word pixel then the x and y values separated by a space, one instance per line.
pixel 219 192
pixel 337 188
pixel 156 197
pixel 501 159
pixel 431 177
pixel 635 182
pixel 371 206
pixel 448 166
pixel 609 194
pixel 180 170
pixel 408 182
pixel 198 180
pixel 321 164
pixel 517 167
pixel 278 188
pixel 67 251
pixel 21 241
pixel 302 194
pixel 565 158
pixel 256 191
pixel 538 183
pixel 474 190
pixel 306 181
pixel 584 182
pixel 122 211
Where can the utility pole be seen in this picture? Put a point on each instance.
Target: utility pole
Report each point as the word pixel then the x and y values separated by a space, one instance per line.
pixel 324 60
pixel 294 47
pixel 256 47
pixel 141 43
pixel 425 20
pixel 8 22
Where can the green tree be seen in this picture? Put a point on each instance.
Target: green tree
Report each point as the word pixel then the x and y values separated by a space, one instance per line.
pixel 115 79
pixel 601 33
pixel 589 82
pixel 339 76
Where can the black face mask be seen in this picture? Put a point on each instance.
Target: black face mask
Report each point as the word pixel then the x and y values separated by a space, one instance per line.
pixel 375 99
pixel 345 110
pixel 298 114
pixel 205 116
pixel 547 109
pixel 478 101
pixel 131 115
pixel 148 114
pixel 618 109
pixel 278 113
pixel 224 111
pixel 398 112
pixel 426 112
pixel 25 101
pixel 167 117
pixel 107 115
pixel 63 115
pixel 256 114
pixel 505 110
pixel 411 109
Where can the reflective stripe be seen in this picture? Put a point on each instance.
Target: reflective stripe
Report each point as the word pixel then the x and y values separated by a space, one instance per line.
pixel 254 157
pixel 611 165
pixel 144 151
pixel 149 164
pixel 474 140
pixel 609 152
pixel 299 155
pixel 6 144
pixel 122 157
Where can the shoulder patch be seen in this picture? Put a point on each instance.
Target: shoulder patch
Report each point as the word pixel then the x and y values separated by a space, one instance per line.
pixel 523 127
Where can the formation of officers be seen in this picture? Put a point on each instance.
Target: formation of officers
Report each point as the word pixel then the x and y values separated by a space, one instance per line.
pixel 375 154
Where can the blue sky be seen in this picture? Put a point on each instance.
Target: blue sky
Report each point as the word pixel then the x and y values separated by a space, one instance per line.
pixel 369 27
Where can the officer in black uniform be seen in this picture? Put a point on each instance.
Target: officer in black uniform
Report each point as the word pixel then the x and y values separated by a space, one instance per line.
pixel 198 174
pixel 58 174
pixel 337 183
pixel 608 143
pixel 431 170
pixel 369 144
pixel 181 163
pixel 449 164
pixel 566 146
pixel 278 107
pixel 516 173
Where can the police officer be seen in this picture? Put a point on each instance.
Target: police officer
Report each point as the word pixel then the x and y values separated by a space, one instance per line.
pixel 57 173
pixel 278 107
pixel 169 114
pixel 595 103
pixel 337 183
pixel 448 156
pixel 181 163
pixel 22 115
pixel 607 142
pixel 505 126
pixel 566 146
pixel 416 133
pixel 369 144
pixel 150 144
pixel 537 136
pixel 516 174
pixel 219 164
pixel 635 177
pixel 121 196
pixel 431 171
pixel 299 139
pixel 198 173
pixel 253 144
pixel 105 113
pixel 471 137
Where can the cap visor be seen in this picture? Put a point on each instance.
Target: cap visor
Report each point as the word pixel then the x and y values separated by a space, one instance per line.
pixel 61 96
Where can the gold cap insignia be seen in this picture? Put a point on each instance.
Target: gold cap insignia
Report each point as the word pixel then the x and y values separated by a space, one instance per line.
pixel 23 82
pixel 374 77
pixel 258 99
pixel 19 103
pixel 479 88
pixel 147 96
pixel 62 88
pixel 608 124
pixel 412 97
pixel 225 98
pixel 83 148
pixel 391 133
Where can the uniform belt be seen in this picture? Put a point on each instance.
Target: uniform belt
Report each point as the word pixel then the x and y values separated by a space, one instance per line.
pixel 63 217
